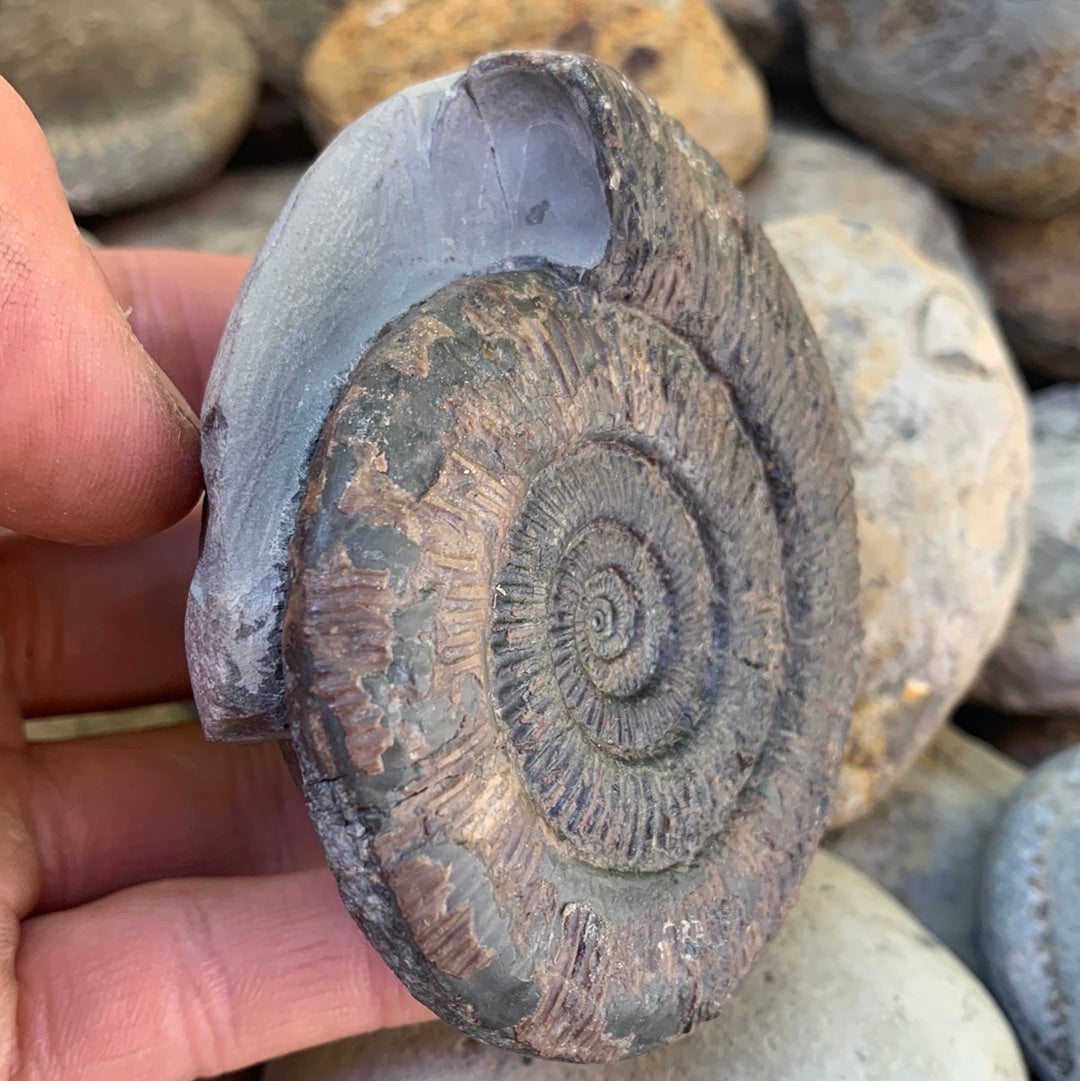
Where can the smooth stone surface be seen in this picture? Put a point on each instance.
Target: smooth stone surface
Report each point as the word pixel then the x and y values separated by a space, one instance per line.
pixel 982 97
pixel 1031 916
pixel 282 31
pixel 806 171
pixel 852 989
pixel 1036 667
pixel 939 430
pixel 1033 271
pixel 925 842
pixel 770 32
pixel 677 51
pixel 231 217
pixel 139 100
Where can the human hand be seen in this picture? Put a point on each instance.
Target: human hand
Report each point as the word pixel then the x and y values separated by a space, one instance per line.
pixel 165 911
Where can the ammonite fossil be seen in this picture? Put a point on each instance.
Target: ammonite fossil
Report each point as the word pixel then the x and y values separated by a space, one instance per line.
pixel 530 523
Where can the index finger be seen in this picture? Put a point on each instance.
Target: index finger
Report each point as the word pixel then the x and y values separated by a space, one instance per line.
pixel 98 444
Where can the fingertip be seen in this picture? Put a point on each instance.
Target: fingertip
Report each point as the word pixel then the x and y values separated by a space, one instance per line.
pixel 98 445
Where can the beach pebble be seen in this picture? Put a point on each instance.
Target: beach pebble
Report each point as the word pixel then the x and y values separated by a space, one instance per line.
pixel 770 32
pixel 677 51
pixel 808 171
pixel 231 217
pixel 939 430
pixel 1031 916
pixel 1036 667
pixel 981 97
pixel 139 99
pixel 281 31
pixel 853 987
pixel 1032 269
pixel 925 842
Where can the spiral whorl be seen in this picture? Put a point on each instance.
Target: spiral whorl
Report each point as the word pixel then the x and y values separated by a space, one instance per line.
pixel 570 624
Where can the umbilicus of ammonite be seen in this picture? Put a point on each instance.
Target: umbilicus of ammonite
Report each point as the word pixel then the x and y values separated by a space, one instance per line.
pixel 529 523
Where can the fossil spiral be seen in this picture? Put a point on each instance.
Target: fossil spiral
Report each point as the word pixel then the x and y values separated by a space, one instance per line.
pixel 529 520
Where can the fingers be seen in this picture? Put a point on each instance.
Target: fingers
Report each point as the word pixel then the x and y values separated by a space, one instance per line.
pixel 98 445
pixel 95 628
pixel 116 811
pixel 175 980
pixel 179 302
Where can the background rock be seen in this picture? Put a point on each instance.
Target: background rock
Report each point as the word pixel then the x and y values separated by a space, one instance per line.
pixel 770 32
pixel 281 31
pixel 679 52
pixel 926 841
pixel 1036 668
pixel 981 97
pixel 1033 271
pixel 1027 740
pixel 138 99
pixel 939 430
pixel 1031 918
pixel 852 987
pixel 806 171
pixel 231 217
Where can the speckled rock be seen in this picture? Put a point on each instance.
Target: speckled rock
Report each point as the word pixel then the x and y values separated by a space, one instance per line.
pixel 231 217
pixel 981 97
pixel 925 842
pixel 806 171
pixel 851 988
pixel 939 430
pixel 770 32
pixel 1033 271
pixel 1031 916
pixel 139 100
pixel 676 50
pixel 1036 668
pixel 282 31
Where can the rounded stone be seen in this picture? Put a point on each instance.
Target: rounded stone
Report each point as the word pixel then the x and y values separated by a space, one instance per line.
pixel 1036 666
pixel 138 100
pixel 852 987
pixel 1031 916
pixel 981 97
pixel 231 217
pixel 677 51
pixel 1032 269
pixel 808 171
pixel 770 32
pixel 281 31
pixel 925 842
pixel 939 430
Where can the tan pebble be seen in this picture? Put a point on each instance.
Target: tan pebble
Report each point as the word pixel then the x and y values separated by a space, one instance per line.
pixel 678 51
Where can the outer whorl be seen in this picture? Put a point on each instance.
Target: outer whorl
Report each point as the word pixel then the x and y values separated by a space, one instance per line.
pixel 569 631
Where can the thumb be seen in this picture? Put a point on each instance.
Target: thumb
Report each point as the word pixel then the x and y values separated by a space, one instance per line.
pixel 96 444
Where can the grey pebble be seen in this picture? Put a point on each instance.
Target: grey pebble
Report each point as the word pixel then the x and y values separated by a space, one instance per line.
pixel 231 217
pixel 1036 666
pixel 926 841
pixel 1032 269
pixel 853 988
pixel 139 100
pixel 806 171
pixel 982 97
pixel 1031 916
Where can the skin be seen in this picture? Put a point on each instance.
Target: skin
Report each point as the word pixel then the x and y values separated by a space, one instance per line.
pixel 165 912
